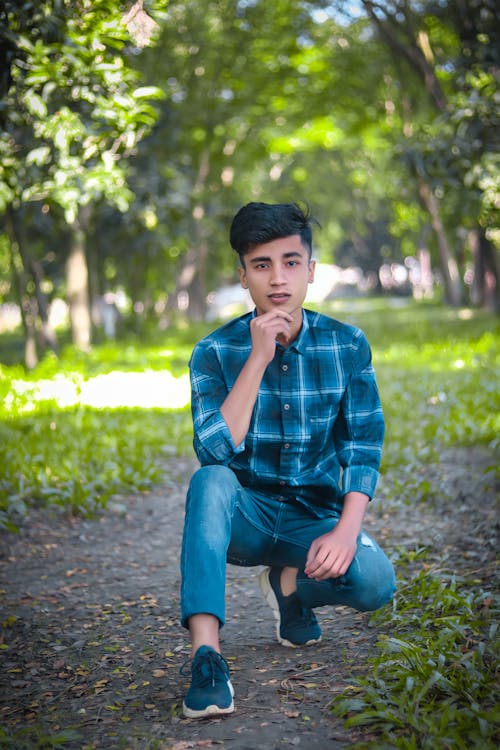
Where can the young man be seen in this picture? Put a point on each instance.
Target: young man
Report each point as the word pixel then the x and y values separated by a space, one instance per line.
pixel 288 429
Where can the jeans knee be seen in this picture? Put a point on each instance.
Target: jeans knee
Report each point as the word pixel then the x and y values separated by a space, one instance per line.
pixel 212 487
pixel 213 478
pixel 375 600
pixel 379 593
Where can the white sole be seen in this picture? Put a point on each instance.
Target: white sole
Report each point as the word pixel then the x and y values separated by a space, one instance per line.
pixel 190 713
pixel 212 710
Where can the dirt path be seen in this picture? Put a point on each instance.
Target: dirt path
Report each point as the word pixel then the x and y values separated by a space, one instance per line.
pixel 91 644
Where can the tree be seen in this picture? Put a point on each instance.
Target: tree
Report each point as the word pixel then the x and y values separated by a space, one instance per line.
pixel 230 74
pixel 452 48
pixel 72 115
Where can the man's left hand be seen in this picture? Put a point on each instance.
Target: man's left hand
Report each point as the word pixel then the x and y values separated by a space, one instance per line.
pixel 330 555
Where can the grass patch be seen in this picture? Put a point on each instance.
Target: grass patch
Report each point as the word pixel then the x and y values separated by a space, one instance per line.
pixel 61 445
pixel 434 682
pixel 436 370
pixel 76 459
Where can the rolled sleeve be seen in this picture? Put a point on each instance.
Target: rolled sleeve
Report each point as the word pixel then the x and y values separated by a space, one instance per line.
pixel 360 432
pixel 360 479
pixel 212 440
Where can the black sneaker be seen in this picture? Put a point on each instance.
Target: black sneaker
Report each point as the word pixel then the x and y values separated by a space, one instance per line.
pixel 296 625
pixel 211 692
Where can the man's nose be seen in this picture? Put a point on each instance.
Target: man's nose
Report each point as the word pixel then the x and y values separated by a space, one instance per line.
pixel 277 275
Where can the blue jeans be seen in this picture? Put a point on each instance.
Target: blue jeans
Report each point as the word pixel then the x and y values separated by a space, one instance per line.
pixel 226 522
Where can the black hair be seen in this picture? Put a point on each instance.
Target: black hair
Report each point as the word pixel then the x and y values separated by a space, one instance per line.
pixel 258 223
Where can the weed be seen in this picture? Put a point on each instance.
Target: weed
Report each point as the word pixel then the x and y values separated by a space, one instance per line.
pixel 434 682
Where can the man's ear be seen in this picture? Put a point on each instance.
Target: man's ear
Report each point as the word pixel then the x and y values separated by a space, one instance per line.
pixel 312 268
pixel 243 277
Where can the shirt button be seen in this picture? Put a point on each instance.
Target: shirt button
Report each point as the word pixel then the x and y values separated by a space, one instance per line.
pixel 286 407
pixel 282 482
pixel 284 368
pixel 286 446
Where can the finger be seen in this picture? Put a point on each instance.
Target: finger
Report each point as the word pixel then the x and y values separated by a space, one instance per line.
pixel 332 566
pixel 274 318
pixel 277 314
pixel 311 555
pixel 275 326
pixel 317 564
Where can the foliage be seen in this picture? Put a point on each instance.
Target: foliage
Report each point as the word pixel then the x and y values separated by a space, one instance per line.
pixel 238 101
pixel 76 457
pixel 73 108
pixel 434 682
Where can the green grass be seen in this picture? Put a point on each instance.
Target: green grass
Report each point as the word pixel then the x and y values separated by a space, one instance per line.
pixel 437 370
pixel 434 682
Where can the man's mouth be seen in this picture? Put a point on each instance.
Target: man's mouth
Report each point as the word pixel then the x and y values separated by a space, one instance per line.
pixel 279 296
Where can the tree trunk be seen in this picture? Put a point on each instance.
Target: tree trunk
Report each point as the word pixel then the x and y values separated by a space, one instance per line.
pixel 191 284
pixel 191 287
pixel 34 308
pixel 77 285
pixel 27 317
pixel 426 280
pixel 48 334
pixel 477 286
pixel 198 288
pixel 448 263
pixel 485 287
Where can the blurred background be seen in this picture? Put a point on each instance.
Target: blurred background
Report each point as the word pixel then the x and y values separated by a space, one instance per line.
pixel 130 133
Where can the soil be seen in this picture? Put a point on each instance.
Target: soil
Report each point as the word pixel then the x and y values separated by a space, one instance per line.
pixel 91 644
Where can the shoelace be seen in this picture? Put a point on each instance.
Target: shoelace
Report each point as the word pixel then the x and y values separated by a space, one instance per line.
pixel 212 660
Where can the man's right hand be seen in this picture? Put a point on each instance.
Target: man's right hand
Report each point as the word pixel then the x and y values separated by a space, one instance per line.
pixel 238 406
pixel 266 329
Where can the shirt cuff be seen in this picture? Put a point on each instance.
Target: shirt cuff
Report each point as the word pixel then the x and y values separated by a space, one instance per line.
pixel 215 444
pixel 360 479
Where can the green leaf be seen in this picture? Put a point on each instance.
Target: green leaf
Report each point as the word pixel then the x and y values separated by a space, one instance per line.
pixel 35 104
pixel 148 92
pixel 38 156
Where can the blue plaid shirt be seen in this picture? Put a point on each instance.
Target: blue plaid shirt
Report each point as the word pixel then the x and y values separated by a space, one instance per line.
pixel 317 427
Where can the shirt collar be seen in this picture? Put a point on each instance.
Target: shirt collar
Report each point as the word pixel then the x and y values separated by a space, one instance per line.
pixel 300 343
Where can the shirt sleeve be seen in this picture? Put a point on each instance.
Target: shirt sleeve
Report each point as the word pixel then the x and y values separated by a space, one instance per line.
pixel 359 432
pixel 212 440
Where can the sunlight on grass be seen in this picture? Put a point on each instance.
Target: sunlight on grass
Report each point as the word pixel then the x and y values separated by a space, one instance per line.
pixel 82 427
pixel 147 390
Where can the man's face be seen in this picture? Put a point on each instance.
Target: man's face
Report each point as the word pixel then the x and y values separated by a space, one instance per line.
pixel 277 274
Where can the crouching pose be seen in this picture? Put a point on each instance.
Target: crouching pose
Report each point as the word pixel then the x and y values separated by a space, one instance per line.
pixel 288 429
